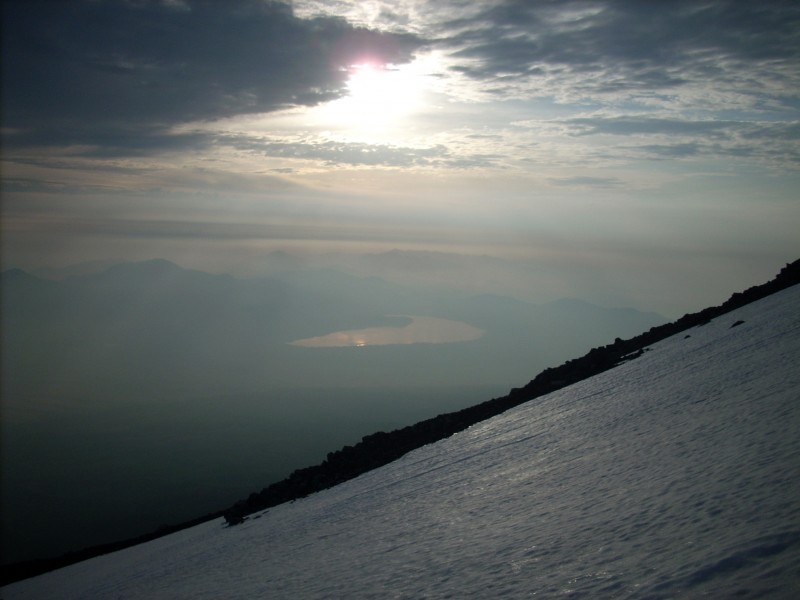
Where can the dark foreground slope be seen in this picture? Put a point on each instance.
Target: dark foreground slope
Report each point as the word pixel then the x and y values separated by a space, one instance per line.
pixel 381 448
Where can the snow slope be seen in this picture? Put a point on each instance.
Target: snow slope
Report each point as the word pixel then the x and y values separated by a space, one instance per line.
pixel 674 475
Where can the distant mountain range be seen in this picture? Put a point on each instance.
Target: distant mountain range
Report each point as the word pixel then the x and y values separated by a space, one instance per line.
pixel 154 325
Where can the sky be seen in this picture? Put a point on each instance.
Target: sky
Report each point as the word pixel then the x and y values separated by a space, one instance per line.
pixel 631 153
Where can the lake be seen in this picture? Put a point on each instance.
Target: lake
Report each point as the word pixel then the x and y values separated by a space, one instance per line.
pixel 419 330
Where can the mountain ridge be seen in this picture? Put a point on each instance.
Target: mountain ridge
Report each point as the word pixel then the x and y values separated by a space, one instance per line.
pixel 259 316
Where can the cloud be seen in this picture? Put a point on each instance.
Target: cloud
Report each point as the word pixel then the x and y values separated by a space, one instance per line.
pixel 357 153
pixel 123 78
pixel 579 49
pixel 333 152
pixel 108 140
pixel 671 150
pixel 580 181
pixel 120 74
pixel 680 79
pixel 633 125
pixel 659 137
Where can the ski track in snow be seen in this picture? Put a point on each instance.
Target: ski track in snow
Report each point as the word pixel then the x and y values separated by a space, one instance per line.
pixel 675 475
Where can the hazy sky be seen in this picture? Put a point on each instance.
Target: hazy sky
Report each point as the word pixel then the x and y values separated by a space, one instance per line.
pixel 648 147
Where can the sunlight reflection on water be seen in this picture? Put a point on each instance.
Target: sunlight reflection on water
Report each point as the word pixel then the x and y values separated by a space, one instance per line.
pixel 421 330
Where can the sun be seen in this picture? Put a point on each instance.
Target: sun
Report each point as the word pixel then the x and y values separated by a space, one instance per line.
pixel 379 98
pixel 377 95
pixel 380 89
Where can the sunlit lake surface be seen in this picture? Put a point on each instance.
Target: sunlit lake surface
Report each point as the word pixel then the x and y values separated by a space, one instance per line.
pixel 421 330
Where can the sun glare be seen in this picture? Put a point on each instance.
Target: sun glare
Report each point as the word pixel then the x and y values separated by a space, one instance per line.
pixel 379 97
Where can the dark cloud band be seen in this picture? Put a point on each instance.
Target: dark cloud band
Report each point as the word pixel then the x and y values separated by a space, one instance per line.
pixel 620 46
pixel 117 73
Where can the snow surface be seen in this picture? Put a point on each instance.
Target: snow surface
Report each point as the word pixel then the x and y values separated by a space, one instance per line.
pixel 675 475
